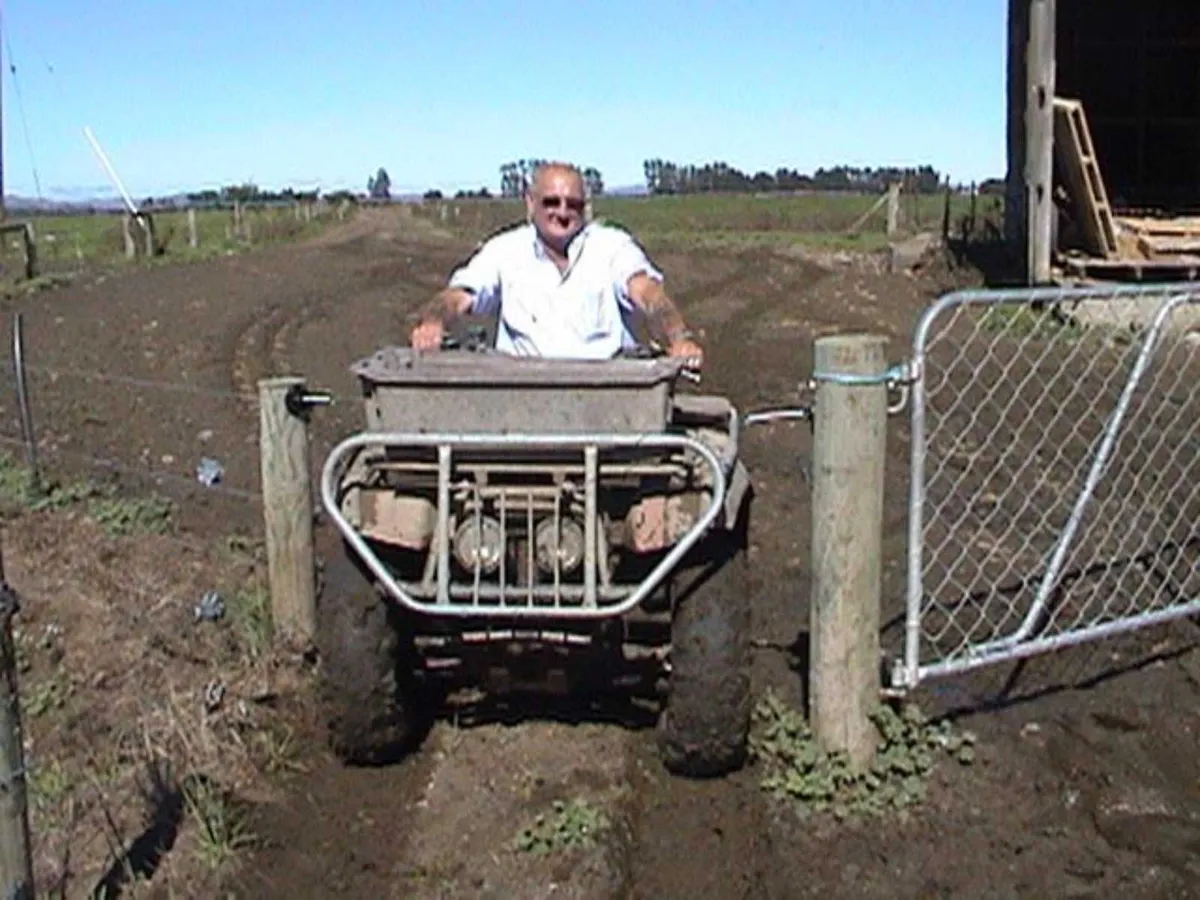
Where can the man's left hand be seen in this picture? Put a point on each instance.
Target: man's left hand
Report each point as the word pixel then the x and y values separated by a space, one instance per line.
pixel 689 350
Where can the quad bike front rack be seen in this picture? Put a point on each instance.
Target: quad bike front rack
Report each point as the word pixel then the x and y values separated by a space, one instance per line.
pixel 439 594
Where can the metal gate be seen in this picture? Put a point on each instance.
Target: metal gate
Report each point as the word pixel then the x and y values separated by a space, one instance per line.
pixel 1055 481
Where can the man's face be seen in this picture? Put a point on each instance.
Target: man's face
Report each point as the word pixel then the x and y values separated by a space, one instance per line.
pixel 556 203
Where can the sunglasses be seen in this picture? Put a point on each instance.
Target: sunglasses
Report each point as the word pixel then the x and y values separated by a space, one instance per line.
pixel 575 204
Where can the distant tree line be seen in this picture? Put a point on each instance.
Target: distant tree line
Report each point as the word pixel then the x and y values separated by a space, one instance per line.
pixel 515 177
pixel 246 193
pixel 664 177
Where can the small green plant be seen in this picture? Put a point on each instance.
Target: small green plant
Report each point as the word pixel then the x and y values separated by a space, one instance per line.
pixel 250 610
pixel 46 696
pixel 16 482
pixel 572 824
pixel 49 785
pixel 222 829
pixel 66 495
pixel 277 750
pixel 1026 322
pixel 119 516
pixel 799 771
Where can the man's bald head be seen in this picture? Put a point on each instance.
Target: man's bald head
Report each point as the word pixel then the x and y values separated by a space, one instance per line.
pixel 549 173
pixel 556 202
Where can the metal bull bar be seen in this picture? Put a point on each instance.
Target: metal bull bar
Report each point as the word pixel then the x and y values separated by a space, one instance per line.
pixel 623 598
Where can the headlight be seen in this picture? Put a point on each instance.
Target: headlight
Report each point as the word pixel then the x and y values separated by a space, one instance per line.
pixel 566 546
pixel 477 543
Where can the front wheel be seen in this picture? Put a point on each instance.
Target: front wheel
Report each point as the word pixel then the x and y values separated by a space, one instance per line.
pixel 367 687
pixel 704 728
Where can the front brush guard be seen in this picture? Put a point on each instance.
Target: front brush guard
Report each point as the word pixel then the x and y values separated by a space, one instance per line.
pixel 619 599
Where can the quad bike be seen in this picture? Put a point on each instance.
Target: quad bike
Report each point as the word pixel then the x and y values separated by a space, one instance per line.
pixel 546 511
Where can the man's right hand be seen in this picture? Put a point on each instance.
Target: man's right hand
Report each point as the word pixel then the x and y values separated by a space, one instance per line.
pixel 428 335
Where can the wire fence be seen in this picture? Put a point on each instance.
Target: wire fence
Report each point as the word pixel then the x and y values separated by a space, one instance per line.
pixel 188 438
pixel 149 677
pixel 1056 479
pixel 68 243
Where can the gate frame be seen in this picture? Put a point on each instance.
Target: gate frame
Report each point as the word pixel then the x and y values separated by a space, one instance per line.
pixel 908 672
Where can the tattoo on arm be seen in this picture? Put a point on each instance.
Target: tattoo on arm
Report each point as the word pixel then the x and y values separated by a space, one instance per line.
pixel 663 319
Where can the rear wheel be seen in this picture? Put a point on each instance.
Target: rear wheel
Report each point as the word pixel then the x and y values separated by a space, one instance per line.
pixel 368 689
pixel 704 728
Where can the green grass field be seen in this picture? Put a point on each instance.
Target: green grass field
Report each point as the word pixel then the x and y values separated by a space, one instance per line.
pixel 69 243
pixel 824 220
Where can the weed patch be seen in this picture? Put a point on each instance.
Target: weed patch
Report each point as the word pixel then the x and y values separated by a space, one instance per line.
pixel 1026 322
pixel 798 770
pixel 572 824
pixel 118 516
pixel 223 830
pixel 250 612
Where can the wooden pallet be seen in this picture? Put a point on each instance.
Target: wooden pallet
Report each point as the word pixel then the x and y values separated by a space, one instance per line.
pixel 1156 245
pixel 1077 157
pixel 1145 270
pixel 1183 226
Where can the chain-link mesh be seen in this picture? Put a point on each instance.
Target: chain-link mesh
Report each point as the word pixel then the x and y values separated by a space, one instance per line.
pixel 1056 471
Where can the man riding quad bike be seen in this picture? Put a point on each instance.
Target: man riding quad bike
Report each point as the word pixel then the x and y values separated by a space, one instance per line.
pixel 554 495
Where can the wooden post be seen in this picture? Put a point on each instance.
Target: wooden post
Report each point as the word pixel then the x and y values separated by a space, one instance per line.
pixel 946 215
pixel 148 233
pixel 974 206
pixel 849 450
pixel 127 232
pixel 193 236
pixel 31 254
pixel 893 208
pixel 287 510
pixel 1014 187
pixel 1039 136
pixel 16 858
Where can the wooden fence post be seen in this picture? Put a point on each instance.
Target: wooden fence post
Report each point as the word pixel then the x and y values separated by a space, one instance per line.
pixel 16 858
pixel 893 208
pixel 31 254
pixel 127 233
pixel 946 222
pixel 193 236
pixel 148 234
pixel 849 451
pixel 287 510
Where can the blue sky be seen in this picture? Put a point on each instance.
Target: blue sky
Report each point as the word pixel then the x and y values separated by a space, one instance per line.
pixel 319 94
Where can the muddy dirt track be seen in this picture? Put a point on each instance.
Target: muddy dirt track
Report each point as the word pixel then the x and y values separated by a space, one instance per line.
pixel 1086 781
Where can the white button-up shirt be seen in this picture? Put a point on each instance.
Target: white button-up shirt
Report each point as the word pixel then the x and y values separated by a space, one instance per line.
pixel 580 313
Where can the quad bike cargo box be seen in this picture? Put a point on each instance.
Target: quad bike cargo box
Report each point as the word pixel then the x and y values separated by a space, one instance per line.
pixel 412 392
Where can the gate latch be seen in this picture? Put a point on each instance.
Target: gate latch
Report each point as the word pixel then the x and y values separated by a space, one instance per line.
pixel 300 401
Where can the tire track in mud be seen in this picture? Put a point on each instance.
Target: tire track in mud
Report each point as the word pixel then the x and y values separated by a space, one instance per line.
pixel 250 347
pixel 712 838
pixel 262 348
